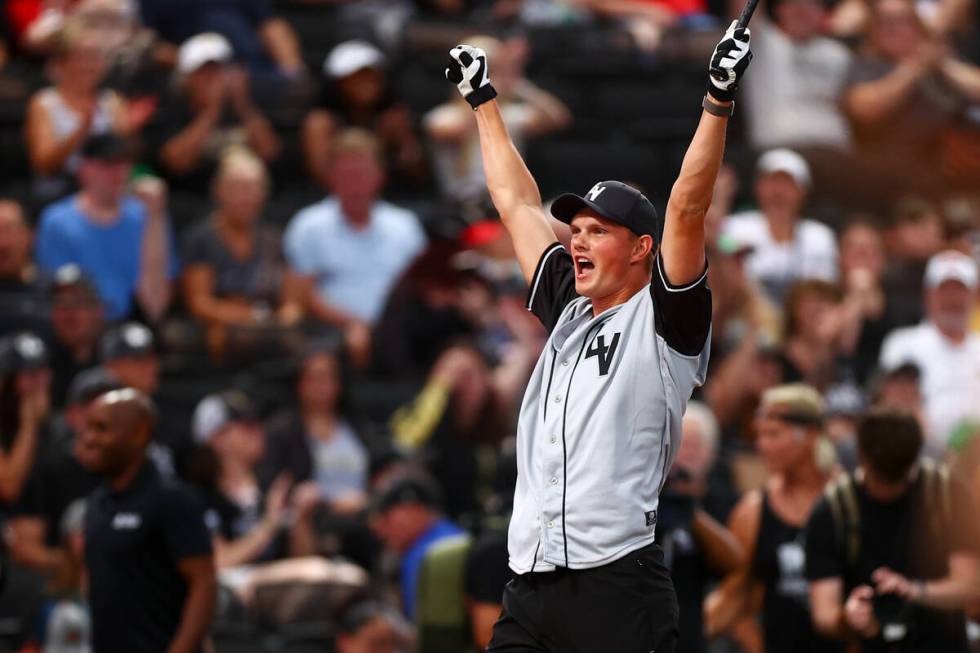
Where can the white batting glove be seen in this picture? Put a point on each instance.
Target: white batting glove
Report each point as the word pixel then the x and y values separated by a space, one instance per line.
pixel 468 70
pixel 728 63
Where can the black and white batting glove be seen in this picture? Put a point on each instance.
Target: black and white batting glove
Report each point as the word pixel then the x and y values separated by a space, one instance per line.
pixel 728 63
pixel 468 71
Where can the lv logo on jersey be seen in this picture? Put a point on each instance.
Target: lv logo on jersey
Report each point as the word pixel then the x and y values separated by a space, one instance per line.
pixel 604 352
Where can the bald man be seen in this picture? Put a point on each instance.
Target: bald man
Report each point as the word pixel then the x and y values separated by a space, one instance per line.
pixel 152 582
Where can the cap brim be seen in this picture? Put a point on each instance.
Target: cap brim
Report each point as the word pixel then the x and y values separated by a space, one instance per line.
pixel 568 205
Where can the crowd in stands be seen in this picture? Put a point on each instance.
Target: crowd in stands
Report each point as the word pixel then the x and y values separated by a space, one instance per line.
pixel 271 217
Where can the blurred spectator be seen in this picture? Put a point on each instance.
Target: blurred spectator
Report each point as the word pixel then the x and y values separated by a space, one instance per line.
pixel 813 334
pixel 785 246
pixel 77 320
pixel 210 110
pixel 117 234
pixel 372 627
pixel 145 537
pixel 38 23
pixel 62 118
pixel 357 94
pixel 235 280
pixel 942 346
pixel 255 34
pixel 738 303
pixel 23 300
pixel 352 247
pixel 862 263
pixel 914 234
pixel 528 112
pixel 769 525
pixel 903 93
pixel 406 516
pixel 794 101
pixel 647 20
pixel 892 551
pixel 128 352
pixel 315 442
pixel 57 480
pixel 696 547
pixel 245 519
pixel 68 624
pixel 25 401
pixel 463 406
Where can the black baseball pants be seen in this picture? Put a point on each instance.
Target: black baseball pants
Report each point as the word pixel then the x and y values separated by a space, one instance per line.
pixel 627 606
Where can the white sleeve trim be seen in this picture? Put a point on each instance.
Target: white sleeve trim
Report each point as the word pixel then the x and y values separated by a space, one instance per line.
pixel 540 269
pixel 666 284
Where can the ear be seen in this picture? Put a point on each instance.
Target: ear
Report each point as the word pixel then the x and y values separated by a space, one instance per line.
pixel 642 248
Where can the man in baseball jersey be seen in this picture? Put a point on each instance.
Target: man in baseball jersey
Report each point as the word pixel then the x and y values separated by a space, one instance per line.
pixel 629 312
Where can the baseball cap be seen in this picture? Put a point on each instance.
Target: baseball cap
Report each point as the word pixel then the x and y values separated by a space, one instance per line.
pixel 70 276
pixel 89 384
pixel 727 244
pixel 407 489
pixel 788 161
pixel 951 266
pixel 352 56
pixel 217 411
pixel 23 351
pixel 616 202
pixel 797 403
pixel 209 47
pixel 129 340
pixel 108 147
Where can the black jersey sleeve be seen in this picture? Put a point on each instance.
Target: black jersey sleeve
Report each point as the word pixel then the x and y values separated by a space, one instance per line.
pixel 552 286
pixel 683 313
pixel 823 551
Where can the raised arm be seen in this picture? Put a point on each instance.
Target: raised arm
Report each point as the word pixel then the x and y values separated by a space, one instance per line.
pixel 512 188
pixel 682 249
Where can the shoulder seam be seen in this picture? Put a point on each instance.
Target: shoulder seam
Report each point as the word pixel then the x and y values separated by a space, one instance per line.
pixel 540 269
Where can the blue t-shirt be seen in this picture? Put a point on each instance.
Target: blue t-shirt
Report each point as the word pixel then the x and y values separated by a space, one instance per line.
pixel 108 254
pixel 412 560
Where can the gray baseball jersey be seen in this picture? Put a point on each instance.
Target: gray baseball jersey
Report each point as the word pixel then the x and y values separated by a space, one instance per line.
pixel 601 419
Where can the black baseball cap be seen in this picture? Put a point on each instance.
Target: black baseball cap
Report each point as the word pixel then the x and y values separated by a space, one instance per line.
pixel 129 340
pixel 407 489
pixel 217 411
pixel 23 351
pixel 71 276
pixel 90 384
pixel 616 202
pixel 108 147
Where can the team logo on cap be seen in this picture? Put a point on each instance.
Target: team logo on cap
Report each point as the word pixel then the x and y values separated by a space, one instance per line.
pixel 595 192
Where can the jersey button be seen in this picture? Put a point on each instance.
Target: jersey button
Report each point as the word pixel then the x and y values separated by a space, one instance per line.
pixel 564 363
pixel 554 480
pixel 554 439
pixel 557 399
pixel 551 524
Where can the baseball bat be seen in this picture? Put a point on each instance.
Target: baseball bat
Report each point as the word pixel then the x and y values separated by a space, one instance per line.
pixel 747 11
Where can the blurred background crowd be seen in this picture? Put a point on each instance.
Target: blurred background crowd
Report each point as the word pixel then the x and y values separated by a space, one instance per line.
pixel 271 217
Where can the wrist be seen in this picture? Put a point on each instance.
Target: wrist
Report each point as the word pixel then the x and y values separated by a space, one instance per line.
pixel 481 95
pixel 919 592
pixel 716 107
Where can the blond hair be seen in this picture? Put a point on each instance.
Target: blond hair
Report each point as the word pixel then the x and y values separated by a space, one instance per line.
pixel 356 140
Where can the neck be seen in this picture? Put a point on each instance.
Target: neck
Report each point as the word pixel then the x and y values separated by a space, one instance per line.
pixel 320 422
pixel 956 336
pixel 781 225
pixel 102 210
pixel 356 215
pixel 621 296
pixel 880 490
pixel 69 88
pixel 802 477
pixel 234 475
pixel 124 478
pixel 234 227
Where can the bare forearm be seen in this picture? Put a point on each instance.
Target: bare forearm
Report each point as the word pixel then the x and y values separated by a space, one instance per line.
pixel 964 77
pixel 949 593
pixel 281 44
pixel 870 102
pixel 722 550
pixel 261 136
pixel 196 618
pixel 246 549
pixel 691 194
pixel 153 291
pixel 509 181
pixel 182 152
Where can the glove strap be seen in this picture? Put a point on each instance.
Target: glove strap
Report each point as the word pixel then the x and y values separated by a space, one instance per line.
pixel 719 94
pixel 483 94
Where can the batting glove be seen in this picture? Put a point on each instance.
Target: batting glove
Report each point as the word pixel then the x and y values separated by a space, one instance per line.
pixel 728 63
pixel 468 71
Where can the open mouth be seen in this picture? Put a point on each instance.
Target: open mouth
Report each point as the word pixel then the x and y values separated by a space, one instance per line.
pixel 583 267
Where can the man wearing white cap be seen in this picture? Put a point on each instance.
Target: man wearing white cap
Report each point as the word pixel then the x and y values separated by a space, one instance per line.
pixel 786 247
pixel 942 346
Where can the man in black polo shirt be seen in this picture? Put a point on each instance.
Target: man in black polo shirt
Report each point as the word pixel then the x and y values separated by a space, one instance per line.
pixel 152 582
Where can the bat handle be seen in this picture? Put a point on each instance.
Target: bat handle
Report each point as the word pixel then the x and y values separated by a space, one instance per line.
pixel 747 11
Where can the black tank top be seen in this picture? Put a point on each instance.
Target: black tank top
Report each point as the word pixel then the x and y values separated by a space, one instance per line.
pixel 780 563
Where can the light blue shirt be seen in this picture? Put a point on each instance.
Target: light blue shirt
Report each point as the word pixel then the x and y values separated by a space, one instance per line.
pixel 108 254
pixel 354 269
